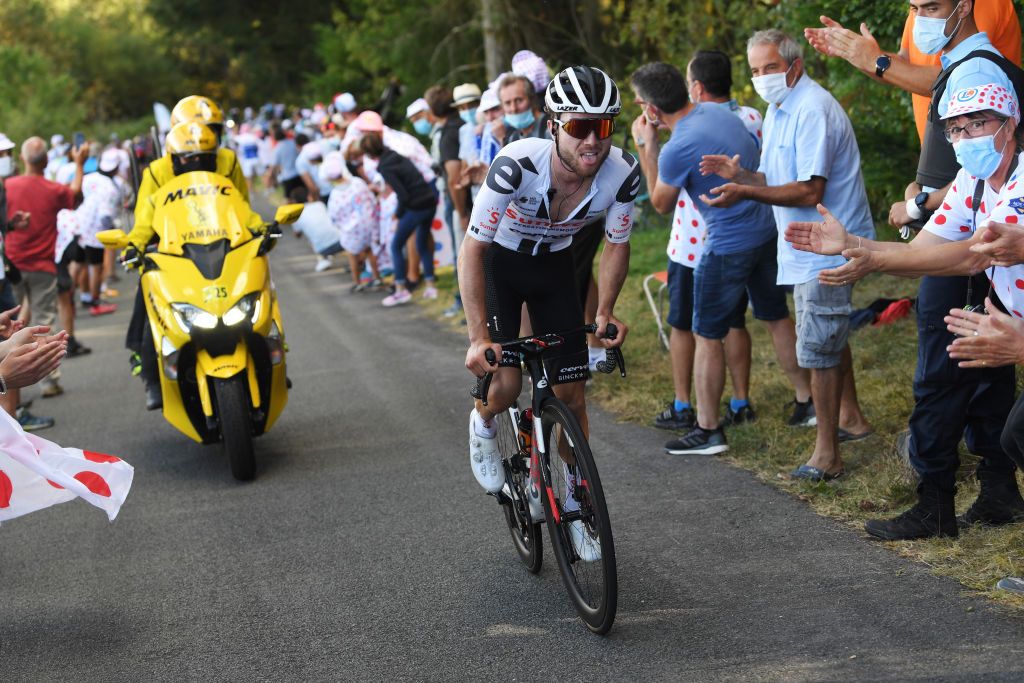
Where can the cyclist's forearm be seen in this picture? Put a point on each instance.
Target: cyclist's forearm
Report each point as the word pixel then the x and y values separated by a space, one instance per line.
pixel 472 288
pixel 611 274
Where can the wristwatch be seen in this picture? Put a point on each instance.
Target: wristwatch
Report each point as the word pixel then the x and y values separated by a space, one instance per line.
pixel 921 199
pixel 882 63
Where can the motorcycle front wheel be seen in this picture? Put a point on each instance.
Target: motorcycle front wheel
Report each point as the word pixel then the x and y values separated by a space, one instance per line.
pixel 236 426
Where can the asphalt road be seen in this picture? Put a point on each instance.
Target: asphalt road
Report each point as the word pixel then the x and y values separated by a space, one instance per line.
pixel 365 551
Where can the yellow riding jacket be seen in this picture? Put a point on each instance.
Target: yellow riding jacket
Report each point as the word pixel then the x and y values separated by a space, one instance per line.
pixel 159 173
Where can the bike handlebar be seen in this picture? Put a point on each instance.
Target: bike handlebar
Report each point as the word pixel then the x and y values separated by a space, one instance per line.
pixel 613 359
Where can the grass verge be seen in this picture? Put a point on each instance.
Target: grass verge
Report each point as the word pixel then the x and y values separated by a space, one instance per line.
pixel 877 483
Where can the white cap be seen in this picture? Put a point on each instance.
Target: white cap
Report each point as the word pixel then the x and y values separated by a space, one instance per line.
pixel 489 100
pixel 345 102
pixel 416 107
pixel 5 143
pixel 286 124
pixel 110 160
pixel 56 139
pixel 312 150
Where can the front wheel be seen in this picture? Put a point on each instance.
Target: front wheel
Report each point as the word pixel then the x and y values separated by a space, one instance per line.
pixel 236 426
pixel 578 525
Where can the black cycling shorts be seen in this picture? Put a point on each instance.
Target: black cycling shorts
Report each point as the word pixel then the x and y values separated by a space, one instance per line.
pixel 547 284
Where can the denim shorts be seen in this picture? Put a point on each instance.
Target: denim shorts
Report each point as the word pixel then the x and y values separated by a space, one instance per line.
pixel 822 323
pixel 723 281
pixel 680 300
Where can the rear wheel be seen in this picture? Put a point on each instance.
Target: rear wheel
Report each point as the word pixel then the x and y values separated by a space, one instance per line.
pixel 236 426
pixel 525 533
pixel 580 532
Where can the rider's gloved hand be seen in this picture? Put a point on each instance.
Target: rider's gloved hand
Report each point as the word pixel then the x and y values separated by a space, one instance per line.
pixel 131 257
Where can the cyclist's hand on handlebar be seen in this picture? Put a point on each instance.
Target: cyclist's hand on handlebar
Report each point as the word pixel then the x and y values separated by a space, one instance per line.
pixel 476 360
pixel 602 326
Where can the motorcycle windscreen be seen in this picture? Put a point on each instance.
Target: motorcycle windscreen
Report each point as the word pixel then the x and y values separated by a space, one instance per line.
pixel 199 208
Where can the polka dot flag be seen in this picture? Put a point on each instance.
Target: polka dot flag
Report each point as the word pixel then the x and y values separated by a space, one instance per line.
pixel 36 473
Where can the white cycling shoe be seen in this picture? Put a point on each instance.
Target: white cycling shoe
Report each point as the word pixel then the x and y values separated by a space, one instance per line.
pixel 586 546
pixel 485 460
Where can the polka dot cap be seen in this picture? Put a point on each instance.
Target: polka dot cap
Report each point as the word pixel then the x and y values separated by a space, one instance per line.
pixel 984 98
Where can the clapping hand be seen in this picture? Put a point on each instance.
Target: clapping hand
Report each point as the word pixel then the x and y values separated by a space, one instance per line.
pixel 991 340
pixel 8 324
pixel 820 237
pixel 1003 242
pixel 30 355
pixel 721 165
pixel 860 263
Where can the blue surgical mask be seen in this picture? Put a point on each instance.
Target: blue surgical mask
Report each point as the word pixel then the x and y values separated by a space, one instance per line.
pixel 930 34
pixel 978 156
pixel 468 116
pixel 523 119
pixel 422 126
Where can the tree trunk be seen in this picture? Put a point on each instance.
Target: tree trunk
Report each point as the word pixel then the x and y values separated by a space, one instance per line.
pixel 492 50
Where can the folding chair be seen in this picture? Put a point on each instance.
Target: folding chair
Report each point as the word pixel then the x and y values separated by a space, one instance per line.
pixel 657 308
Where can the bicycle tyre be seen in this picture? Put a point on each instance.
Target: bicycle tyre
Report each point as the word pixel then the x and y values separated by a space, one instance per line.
pixel 526 535
pixel 592 585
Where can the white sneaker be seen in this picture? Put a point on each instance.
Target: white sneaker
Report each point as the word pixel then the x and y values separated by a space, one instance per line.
pixel 323 264
pixel 429 292
pixel 485 460
pixel 587 547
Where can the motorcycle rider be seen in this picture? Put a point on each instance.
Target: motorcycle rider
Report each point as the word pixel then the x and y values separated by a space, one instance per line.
pixel 190 147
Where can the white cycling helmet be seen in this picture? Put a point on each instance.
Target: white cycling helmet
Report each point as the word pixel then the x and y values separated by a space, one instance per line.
pixel 582 89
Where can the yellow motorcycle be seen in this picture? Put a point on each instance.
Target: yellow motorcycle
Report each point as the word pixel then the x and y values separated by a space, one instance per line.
pixel 213 313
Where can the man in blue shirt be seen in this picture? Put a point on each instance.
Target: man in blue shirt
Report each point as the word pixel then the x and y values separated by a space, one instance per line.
pixel 810 156
pixel 739 257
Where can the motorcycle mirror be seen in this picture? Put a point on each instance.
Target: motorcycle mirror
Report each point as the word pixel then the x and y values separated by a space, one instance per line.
pixel 113 239
pixel 288 213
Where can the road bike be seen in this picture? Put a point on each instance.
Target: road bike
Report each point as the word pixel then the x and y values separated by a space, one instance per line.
pixel 549 466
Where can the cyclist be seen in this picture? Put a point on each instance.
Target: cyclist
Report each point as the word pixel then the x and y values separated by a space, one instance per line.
pixel 538 194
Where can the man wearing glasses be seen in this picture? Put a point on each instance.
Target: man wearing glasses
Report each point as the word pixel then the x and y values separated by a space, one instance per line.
pixel 739 254
pixel 538 194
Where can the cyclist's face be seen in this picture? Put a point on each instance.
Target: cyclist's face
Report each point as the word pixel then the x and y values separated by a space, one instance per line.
pixel 583 157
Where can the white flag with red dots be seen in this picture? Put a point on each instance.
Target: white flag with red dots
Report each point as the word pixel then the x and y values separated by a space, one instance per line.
pixel 36 473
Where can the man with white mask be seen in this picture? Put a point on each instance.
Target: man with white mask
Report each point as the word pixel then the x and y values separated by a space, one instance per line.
pixel 810 155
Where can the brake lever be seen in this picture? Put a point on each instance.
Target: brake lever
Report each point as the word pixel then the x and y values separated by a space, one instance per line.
pixel 483 384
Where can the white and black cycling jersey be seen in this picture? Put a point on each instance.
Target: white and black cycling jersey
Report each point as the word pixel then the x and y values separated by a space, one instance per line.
pixel 514 203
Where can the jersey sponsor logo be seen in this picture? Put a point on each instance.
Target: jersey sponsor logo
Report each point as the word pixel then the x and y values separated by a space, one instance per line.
pixel 574 373
pixel 630 187
pixel 505 176
pixel 198 191
pixel 1017 204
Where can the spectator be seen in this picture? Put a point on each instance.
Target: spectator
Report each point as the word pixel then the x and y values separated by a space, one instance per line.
pixel 355 214
pixel 417 115
pixel 31 248
pixel 7 301
pixel 308 165
pixel 282 168
pixel 444 148
pixel 247 146
pixel 985 118
pixel 522 114
pixel 417 202
pixel 793 177
pixel 949 402
pixel 739 256
pixel 345 107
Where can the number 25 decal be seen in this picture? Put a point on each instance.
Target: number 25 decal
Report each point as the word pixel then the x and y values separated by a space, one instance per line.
pixel 214 292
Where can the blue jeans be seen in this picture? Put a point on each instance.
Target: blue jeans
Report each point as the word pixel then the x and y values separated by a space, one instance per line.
pixel 418 222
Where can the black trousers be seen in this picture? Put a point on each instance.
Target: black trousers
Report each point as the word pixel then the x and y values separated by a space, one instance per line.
pixel 950 402
pixel 139 338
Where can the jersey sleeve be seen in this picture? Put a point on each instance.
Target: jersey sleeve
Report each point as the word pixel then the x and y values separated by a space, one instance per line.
pixel 504 179
pixel 618 222
pixel 952 220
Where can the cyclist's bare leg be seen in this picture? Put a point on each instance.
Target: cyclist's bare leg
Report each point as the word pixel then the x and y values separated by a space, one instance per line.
pixel 574 396
pixel 506 385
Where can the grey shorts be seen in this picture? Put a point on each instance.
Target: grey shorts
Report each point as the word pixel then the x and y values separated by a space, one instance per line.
pixel 822 323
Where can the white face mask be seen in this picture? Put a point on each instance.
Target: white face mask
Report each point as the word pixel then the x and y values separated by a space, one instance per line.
pixel 772 88
pixel 6 166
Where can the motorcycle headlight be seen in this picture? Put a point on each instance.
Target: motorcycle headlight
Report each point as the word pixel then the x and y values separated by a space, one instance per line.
pixel 189 316
pixel 240 311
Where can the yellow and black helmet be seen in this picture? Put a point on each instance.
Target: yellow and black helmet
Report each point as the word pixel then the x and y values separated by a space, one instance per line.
pixel 201 110
pixel 193 147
